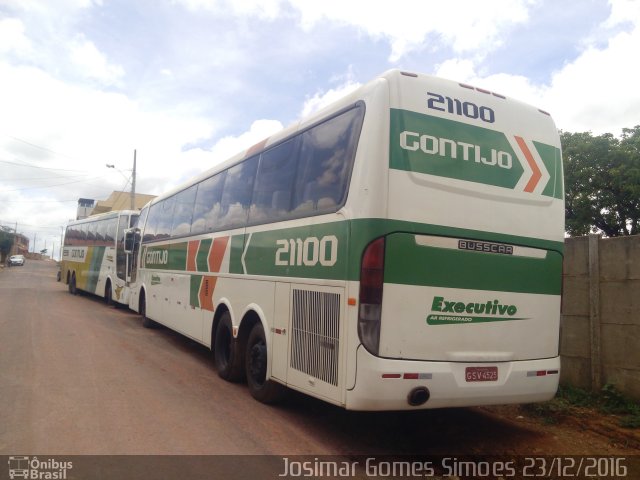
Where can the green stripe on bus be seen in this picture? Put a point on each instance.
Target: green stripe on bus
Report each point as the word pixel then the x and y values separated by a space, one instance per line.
pixel 330 251
pixel 96 255
pixel 202 259
pixel 446 148
pixel 412 264
pixel 194 290
pixel 235 255
pixel 364 231
pixel 552 159
pixel 309 251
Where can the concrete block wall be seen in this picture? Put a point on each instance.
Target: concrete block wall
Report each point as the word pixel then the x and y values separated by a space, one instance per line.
pixel 600 336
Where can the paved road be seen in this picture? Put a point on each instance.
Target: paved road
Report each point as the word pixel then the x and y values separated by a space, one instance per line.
pixel 78 377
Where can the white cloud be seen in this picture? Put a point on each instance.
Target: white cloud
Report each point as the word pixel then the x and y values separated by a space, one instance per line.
pixel 230 145
pixel 623 11
pixel 91 63
pixel 408 25
pixel 91 128
pixel 12 37
pixel 595 92
pixel 265 9
pixel 322 98
pixel 466 25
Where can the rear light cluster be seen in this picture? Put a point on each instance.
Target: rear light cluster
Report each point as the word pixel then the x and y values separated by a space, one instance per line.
pixel 542 373
pixel 371 283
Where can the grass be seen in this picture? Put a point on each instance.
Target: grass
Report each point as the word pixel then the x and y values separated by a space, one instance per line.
pixel 608 401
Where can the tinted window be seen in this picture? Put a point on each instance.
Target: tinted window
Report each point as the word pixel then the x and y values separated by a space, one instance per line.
pixel 140 222
pixel 121 257
pixel 91 233
pixel 274 183
pixel 165 217
pixel 70 236
pixel 101 230
pixel 326 156
pixel 207 206
pixel 82 234
pixel 236 195
pixel 152 222
pixel 110 233
pixel 183 211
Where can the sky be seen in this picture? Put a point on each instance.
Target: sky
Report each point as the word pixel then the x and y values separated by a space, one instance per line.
pixel 189 83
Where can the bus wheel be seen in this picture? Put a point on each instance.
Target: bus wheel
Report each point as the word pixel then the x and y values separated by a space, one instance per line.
pixel 72 285
pixel 227 359
pixel 108 295
pixel 263 390
pixel 146 321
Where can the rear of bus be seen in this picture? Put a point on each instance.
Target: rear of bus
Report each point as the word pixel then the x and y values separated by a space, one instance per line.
pixel 459 288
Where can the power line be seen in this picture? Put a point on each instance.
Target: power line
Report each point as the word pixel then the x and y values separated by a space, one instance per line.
pixel 50 186
pixel 40 147
pixel 23 164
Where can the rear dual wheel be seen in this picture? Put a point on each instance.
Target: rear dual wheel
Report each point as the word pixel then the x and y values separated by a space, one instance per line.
pixel 108 294
pixel 226 356
pixel 72 285
pixel 263 390
pixel 233 364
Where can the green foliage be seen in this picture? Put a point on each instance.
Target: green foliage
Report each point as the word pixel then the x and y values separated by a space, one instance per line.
pixel 602 182
pixel 608 401
pixel 6 241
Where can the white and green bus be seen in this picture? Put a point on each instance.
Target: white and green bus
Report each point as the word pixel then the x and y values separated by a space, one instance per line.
pixel 93 256
pixel 401 249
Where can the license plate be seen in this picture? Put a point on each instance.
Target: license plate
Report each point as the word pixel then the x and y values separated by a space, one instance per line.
pixel 481 374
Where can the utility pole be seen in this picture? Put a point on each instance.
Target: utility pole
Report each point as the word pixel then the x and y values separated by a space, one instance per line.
pixel 133 183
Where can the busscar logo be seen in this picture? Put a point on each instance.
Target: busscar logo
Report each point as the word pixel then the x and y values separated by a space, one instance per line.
pixel 448 312
pixel 37 469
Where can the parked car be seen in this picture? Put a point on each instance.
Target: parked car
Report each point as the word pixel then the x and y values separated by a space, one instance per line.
pixel 16 260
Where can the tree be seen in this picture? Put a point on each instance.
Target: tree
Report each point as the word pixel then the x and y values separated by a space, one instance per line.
pixel 602 182
pixel 6 240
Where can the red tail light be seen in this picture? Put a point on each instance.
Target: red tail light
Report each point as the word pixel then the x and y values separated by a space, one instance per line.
pixel 371 283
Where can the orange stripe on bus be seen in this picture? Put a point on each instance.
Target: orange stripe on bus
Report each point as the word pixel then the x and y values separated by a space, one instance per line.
pixel 216 254
pixel 192 252
pixel 205 295
pixel 537 174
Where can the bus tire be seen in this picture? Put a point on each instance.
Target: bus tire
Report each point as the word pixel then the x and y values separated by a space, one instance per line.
pixel 226 357
pixel 72 285
pixel 108 294
pixel 263 390
pixel 146 321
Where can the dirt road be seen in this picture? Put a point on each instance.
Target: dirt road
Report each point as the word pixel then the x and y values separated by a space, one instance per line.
pixel 78 377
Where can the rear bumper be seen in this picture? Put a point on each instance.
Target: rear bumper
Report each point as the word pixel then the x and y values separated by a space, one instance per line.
pixel 517 383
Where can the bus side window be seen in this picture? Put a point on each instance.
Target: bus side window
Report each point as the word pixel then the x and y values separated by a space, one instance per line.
pixel 274 183
pixel 207 204
pixel 326 157
pixel 101 230
pixel 236 195
pixel 91 233
pixel 82 234
pixel 110 234
pixel 183 211
pixel 163 229
pixel 152 223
